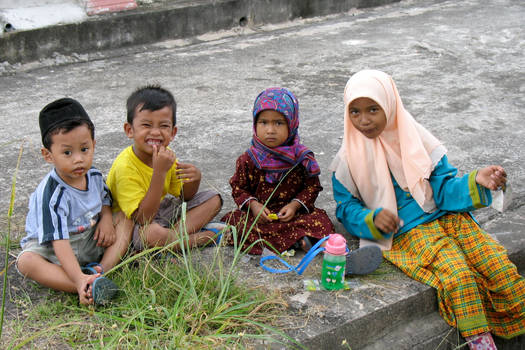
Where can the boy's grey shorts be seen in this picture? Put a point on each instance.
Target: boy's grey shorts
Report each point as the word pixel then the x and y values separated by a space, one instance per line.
pixel 83 245
pixel 170 211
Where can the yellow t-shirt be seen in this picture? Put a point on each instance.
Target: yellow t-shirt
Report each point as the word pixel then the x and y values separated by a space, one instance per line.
pixel 129 179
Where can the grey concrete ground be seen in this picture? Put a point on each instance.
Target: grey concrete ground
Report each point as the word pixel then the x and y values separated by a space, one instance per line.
pixel 459 67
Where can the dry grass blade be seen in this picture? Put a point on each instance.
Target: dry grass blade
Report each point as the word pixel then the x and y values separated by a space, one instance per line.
pixel 8 237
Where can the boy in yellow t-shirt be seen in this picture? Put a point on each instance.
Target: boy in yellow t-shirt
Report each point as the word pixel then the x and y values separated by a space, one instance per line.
pixel 147 182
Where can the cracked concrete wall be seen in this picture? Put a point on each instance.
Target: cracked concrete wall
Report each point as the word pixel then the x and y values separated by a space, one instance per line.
pixel 176 21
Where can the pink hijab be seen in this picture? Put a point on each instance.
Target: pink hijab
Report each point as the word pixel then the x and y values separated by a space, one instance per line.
pixel 404 149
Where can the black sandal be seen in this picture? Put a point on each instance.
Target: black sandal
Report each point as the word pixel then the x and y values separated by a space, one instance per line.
pixel 305 244
pixel 364 260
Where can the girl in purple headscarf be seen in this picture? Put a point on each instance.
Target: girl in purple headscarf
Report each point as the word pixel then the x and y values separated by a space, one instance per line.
pixel 277 168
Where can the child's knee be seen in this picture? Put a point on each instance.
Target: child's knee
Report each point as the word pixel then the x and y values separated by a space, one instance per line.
pixel 123 226
pixel 458 278
pixel 26 262
pixel 119 219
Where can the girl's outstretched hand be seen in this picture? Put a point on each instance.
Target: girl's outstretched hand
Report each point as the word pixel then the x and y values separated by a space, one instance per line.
pixel 257 207
pixel 492 177
pixel 288 211
pixel 387 222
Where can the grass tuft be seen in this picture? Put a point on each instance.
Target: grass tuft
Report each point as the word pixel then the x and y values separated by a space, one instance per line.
pixel 189 299
pixel 7 238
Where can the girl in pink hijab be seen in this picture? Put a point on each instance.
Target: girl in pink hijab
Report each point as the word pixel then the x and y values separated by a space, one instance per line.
pixel 395 188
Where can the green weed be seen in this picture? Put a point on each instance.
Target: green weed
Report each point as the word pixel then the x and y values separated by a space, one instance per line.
pixel 8 237
pixel 189 299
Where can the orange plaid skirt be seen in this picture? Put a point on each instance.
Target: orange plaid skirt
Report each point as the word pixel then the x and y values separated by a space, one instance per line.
pixel 478 287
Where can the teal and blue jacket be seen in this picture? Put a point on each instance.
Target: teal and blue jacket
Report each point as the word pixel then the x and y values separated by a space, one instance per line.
pixel 451 194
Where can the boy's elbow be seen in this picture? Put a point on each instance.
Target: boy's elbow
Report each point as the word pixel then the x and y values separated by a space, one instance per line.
pixel 186 198
pixel 189 191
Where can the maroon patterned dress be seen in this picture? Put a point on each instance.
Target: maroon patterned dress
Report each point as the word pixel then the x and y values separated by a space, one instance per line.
pixel 249 182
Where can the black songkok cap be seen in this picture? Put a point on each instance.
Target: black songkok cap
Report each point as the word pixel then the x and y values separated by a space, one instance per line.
pixel 59 111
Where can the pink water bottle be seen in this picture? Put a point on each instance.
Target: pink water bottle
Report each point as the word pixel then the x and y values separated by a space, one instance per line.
pixel 334 262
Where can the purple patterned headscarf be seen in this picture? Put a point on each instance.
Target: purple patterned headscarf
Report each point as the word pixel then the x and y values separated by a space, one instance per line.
pixel 278 160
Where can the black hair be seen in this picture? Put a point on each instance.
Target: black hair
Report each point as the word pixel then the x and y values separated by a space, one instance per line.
pixel 66 126
pixel 152 98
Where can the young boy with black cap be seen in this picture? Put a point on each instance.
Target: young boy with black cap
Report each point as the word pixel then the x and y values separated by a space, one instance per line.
pixel 69 225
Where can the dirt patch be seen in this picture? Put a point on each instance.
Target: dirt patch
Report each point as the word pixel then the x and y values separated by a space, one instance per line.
pixel 21 293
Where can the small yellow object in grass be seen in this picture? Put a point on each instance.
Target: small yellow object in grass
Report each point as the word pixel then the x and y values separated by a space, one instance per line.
pixel 273 216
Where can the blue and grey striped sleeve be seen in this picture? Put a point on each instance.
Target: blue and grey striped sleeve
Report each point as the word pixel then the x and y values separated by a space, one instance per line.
pixel 105 193
pixel 54 212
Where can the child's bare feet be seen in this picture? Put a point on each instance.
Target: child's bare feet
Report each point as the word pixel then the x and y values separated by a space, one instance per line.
pixel 219 228
pixel 207 236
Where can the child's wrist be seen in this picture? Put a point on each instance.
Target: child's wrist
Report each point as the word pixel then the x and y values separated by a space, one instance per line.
pixel 159 173
pixel 295 204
